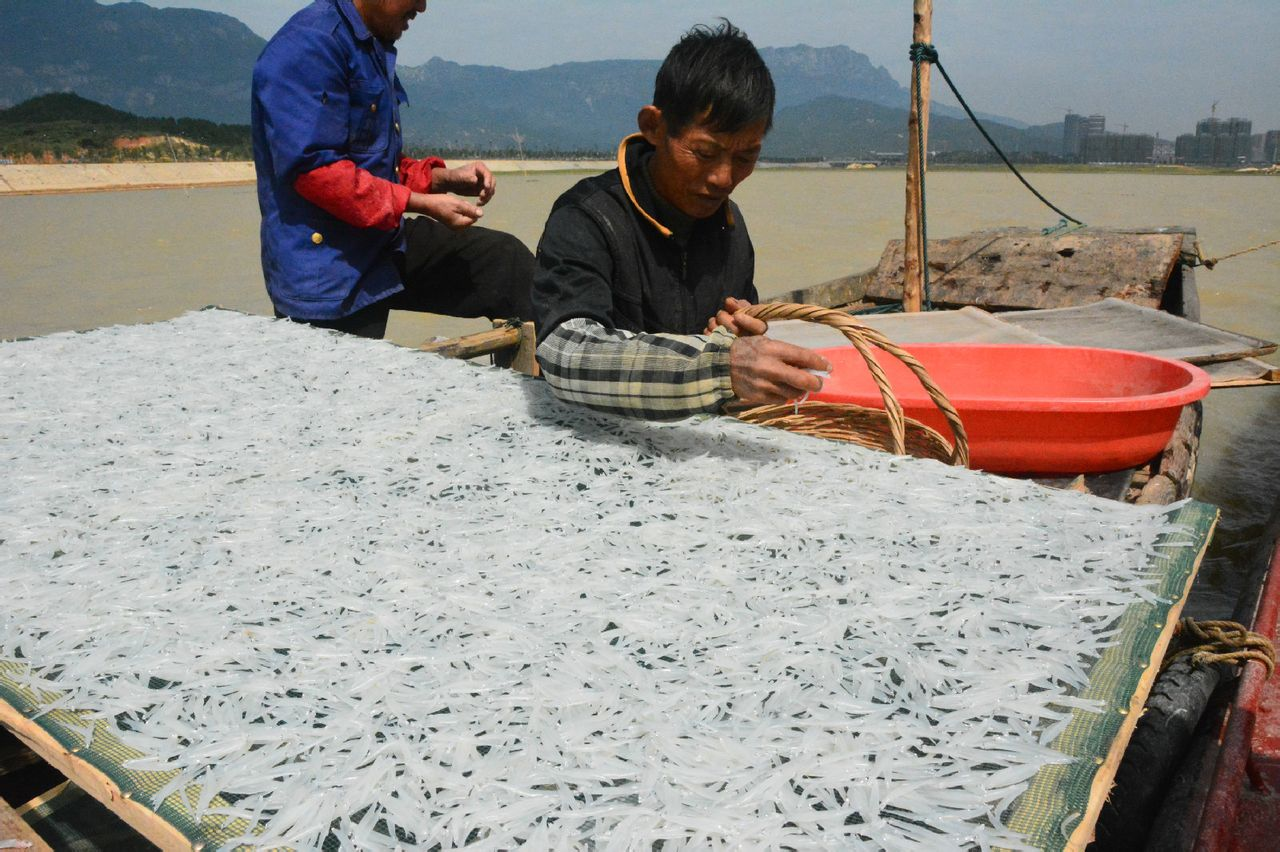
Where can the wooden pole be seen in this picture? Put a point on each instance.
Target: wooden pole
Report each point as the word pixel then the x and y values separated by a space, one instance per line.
pixel 913 271
pixel 473 345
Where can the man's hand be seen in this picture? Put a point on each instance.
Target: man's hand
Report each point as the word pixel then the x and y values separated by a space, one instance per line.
pixel 732 317
pixel 766 371
pixel 456 213
pixel 473 179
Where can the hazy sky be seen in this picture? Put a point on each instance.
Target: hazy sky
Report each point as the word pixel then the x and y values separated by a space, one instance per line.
pixel 1154 65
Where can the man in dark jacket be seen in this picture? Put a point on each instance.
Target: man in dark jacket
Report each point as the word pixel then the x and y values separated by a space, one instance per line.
pixel 333 186
pixel 643 271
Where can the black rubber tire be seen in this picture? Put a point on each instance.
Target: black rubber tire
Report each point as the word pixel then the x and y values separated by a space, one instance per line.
pixel 1155 751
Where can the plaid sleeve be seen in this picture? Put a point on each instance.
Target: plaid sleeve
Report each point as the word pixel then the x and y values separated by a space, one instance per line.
pixel 649 376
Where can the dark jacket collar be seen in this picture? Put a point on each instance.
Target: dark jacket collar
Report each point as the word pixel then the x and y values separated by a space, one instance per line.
pixel 632 153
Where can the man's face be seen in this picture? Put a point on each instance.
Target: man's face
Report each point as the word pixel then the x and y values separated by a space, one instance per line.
pixel 388 19
pixel 697 169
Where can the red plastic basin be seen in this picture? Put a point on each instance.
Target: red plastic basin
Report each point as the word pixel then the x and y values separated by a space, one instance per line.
pixel 1035 409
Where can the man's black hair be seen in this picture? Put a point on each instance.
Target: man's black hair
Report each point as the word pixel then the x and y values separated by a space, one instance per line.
pixel 717 73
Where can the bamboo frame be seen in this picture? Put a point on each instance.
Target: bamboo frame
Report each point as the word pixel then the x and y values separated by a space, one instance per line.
pixel 505 336
pixel 14 827
pixel 96 783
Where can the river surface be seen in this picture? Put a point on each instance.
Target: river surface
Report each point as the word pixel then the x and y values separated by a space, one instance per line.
pixel 82 261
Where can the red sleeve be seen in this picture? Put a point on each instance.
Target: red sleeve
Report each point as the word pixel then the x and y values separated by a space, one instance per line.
pixel 354 195
pixel 416 174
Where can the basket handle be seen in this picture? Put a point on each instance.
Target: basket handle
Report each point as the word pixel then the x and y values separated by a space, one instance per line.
pixel 862 337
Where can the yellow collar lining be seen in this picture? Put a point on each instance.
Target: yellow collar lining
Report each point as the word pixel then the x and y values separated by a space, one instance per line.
pixel 626 185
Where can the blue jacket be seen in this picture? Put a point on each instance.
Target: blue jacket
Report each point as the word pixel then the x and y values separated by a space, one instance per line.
pixel 324 89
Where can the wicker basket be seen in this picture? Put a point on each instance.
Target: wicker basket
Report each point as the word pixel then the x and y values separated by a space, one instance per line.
pixel 886 429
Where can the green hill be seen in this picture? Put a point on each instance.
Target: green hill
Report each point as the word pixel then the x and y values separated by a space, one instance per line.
pixel 64 127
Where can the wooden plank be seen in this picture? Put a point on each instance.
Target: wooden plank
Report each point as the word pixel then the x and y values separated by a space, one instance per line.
pixel 1242 373
pixel 1177 464
pixel 967 325
pixel 488 342
pixel 526 360
pixel 93 781
pixel 15 828
pixel 1025 269
pixel 1115 324
pixel 1110 486
pixel 835 293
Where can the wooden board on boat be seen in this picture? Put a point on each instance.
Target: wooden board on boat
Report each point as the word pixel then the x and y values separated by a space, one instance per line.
pixel 1026 269
pixel 967 325
pixel 1244 373
pixel 1115 324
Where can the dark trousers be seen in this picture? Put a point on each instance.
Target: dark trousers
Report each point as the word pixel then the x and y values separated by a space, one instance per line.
pixel 474 272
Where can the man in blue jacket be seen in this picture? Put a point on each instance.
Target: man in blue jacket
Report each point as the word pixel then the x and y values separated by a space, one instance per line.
pixel 333 185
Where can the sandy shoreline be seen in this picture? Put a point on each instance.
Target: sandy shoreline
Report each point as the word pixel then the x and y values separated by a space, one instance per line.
pixel 109 177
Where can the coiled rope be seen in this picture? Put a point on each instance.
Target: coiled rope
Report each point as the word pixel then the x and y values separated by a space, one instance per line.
pixel 1223 642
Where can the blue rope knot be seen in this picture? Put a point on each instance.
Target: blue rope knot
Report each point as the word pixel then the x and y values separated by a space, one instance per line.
pixel 923 51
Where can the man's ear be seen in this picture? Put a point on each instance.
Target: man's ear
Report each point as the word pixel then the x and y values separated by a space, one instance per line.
pixel 653 127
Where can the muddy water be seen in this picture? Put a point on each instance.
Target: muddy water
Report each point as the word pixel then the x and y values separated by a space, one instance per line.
pixel 81 261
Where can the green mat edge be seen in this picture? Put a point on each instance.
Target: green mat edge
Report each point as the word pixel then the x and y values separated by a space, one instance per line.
pixel 1048 814
pixel 104 755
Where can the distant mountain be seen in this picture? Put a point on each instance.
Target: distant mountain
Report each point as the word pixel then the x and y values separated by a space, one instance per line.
pixel 187 62
pixel 838 128
pixel 574 106
pixel 131 56
pixel 591 105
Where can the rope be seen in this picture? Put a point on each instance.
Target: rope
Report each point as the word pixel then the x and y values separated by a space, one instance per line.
pixel 925 52
pixel 1223 642
pixel 1211 262
pixel 1063 227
